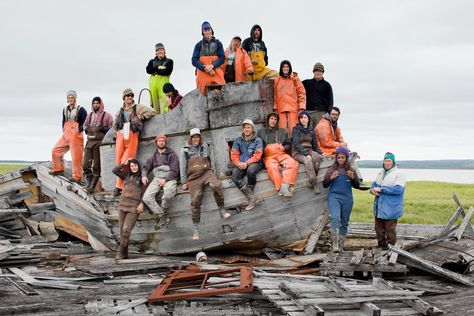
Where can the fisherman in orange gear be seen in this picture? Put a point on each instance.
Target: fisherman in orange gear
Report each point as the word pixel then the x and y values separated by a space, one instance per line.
pixel 329 134
pixel 72 139
pixel 289 97
pixel 277 145
pixel 128 124
pixel 237 62
pixel 208 57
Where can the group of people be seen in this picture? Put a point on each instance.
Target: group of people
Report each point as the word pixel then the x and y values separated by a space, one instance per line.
pixel 302 129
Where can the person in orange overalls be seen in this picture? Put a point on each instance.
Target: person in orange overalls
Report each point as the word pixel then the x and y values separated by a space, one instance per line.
pixel 128 123
pixel 277 145
pixel 289 97
pixel 72 139
pixel 237 62
pixel 208 57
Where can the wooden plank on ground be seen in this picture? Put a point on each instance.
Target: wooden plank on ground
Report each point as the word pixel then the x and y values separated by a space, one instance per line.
pixel 370 309
pixel 42 207
pixel 13 188
pixel 317 230
pixel 19 197
pixel 357 257
pixel 461 209
pixel 462 227
pixel 32 281
pixel 312 310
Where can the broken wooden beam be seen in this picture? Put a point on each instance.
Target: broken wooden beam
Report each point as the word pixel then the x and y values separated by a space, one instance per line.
pixel 42 207
pixel 462 227
pixel 429 266
pixel 50 284
pixel 462 212
pixel 317 230
pixel 13 188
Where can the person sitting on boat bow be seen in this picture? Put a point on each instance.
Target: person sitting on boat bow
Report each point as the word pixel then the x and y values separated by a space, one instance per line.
pixel 164 165
pixel 246 155
pixel 276 146
pixel 329 133
pixel 196 173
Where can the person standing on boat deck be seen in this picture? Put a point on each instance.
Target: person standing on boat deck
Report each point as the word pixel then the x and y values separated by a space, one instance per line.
pixel 289 97
pixel 130 204
pixel 306 150
pixel 246 155
pixel 128 124
pixel 277 145
pixel 208 57
pixel 160 69
pixel 328 132
pixel 97 124
pixel 319 98
pixel 173 98
pixel 72 139
pixel 257 50
pixel 237 62
pixel 165 167
pixel 340 179
pixel 196 173
pixel 388 189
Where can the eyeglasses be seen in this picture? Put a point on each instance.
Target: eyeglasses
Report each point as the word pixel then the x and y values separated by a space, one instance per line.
pixel 130 95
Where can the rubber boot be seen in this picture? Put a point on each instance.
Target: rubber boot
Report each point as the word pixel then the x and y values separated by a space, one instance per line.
pixel 284 190
pixel 251 198
pixel 123 248
pixel 117 192
pixel 88 180
pixel 335 240
pixel 316 188
pixel 163 219
pixel 90 188
pixel 224 212
pixel 341 241
pixel 56 173
pixel 196 232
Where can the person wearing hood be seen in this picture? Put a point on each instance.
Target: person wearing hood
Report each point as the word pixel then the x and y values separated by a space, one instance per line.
pixel 255 47
pixel 159 69
pixel 246 155
pixel 388 189
pixel 196 173
pixel 173 98
pixel 208 57
pixel 306 150
pixel 319 98
pixel 130 204
pixel 277 145
pixel 128 124
pixel 340 179
pixel 72 139
pixel 164 165
pixel 328 132
pixel 237 63
pixel 289 96
pixel 97 124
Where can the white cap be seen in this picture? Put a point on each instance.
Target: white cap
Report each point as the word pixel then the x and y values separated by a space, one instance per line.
pixel 248 121
pixel 201 256
pixel 194 131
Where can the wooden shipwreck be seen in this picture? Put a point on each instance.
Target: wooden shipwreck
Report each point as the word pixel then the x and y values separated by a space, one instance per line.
pixel 275 222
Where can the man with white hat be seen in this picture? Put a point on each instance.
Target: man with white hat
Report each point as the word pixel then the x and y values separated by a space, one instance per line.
pixel 246 155
pixel 72 139
pixel 196 173
pixel 165 168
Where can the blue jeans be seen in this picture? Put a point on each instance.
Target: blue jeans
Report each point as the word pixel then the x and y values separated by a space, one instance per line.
pixel 340 209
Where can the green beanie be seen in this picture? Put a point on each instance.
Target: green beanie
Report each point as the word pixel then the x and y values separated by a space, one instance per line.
pixel 389 155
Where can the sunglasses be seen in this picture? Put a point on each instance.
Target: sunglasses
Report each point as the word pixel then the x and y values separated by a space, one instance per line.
pixel 130 95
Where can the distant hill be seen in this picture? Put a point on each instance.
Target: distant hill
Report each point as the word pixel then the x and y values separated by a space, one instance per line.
pixel 20 162
pixel 422 164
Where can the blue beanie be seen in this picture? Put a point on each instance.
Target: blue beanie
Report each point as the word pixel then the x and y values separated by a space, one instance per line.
pixel 304 113
pixel 205 25
pixel 168 87
pixel 342 150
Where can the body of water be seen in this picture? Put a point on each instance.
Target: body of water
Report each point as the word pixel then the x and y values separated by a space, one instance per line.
pixel 442 175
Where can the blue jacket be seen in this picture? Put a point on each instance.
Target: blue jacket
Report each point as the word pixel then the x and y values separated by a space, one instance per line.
pixel 208 48
pixel 247 151
pixel 389 205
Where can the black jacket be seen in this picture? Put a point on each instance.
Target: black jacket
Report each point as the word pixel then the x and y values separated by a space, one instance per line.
pixel 80 117
pixel 153 64
pixel 300 132
pixel 318 95
pixel 251 44
pixel 274 135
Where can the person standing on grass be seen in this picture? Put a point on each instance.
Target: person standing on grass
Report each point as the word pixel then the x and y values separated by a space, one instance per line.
pixel 388 189
pixel 340 179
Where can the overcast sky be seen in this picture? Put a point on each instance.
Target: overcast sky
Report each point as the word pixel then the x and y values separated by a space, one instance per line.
pixel 402 71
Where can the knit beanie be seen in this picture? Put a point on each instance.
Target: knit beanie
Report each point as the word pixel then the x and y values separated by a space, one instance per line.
pixel 389 155
pixel 318 66
pixel 250 122
pixel 206 25
pixel 342 150
pixel 304 113
pixel 72 93
pixel 159 45
pixel 168 87
pixel 161 136
pixel 127 91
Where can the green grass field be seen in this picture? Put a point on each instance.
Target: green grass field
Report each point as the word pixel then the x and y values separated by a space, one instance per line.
pixel 425 202
pixel 9 167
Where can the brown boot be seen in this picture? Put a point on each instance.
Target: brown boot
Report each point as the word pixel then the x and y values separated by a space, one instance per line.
pixel 122 253
pixel 92 183
pixel 335 240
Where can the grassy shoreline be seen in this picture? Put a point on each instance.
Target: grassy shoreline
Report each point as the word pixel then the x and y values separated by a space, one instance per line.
pixel 426 202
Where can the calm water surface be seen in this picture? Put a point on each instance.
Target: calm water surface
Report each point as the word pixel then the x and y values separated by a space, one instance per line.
pixel 442 175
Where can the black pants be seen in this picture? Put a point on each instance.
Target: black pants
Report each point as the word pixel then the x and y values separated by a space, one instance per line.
pixel 251 173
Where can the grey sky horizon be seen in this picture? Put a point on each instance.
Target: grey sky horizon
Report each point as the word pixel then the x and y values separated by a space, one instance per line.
pixel 402 71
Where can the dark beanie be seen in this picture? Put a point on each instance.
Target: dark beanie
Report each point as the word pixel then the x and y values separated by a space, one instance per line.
pixel 98 99
pixel 168 87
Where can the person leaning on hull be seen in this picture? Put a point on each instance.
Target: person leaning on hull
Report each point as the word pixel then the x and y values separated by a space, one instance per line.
pixel 97 124
pixel 196 173
pixel 164 165
pixel 128 124
pixel 72 139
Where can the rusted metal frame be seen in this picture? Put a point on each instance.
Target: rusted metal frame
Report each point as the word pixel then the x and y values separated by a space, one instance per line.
pixel 160 292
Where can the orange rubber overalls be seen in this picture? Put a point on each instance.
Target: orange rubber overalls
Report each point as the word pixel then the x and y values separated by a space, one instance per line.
pixel 203 78
pixel 72 140
pixel 275 157
pixel 125 149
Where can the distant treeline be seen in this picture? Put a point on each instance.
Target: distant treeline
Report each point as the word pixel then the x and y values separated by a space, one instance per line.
pixel 422 164
pixel 19 162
